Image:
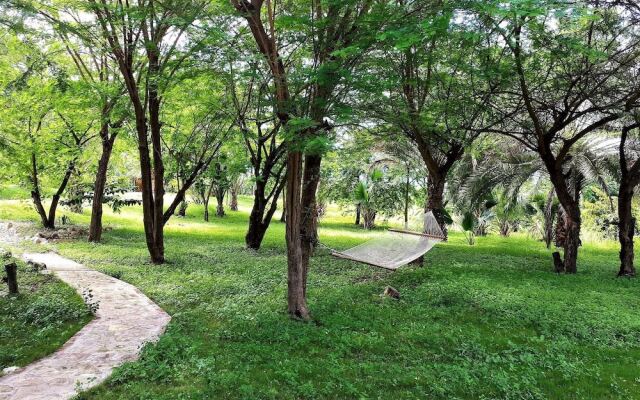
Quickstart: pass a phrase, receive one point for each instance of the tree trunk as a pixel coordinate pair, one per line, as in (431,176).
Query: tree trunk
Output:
(548,219)
(296,270)
(148,203)
(560,234)
(505,227)
(95,227)
(369,218)
(156,221)
(358,210)
(283,216)
(557,262)
(435,201)
(182,210)
(571,248)
(626,230)
(261,217)
(256,231)
(53,207)
(234,199)
(35,193)
(220,199)
(406,202)
(572,242)
(309,231)
(255,235)
(37,202)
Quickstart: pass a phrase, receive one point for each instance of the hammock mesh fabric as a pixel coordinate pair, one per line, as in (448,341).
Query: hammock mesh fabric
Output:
(397,247)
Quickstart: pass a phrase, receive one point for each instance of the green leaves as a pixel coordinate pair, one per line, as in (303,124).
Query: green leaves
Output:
(469,221)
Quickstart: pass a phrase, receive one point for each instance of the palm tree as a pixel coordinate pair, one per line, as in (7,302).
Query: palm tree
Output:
(363,197)
(513,170)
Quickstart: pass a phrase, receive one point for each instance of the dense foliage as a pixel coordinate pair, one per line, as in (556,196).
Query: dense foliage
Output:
(517,117)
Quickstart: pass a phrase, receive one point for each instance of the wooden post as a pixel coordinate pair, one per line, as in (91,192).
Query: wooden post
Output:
(11,279)
(557,262)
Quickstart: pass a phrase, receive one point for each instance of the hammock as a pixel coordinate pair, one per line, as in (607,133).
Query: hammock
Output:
(397,247)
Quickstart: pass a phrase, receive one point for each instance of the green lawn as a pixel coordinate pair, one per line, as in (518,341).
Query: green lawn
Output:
(484,321)
(40,319)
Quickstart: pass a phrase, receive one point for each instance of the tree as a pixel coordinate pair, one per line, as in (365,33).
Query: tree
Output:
(512,168)
(629,180)
(199,122)
(381,191)
(438,73)
(261,131)
(566,84)
(150,43)
(96,70)
(46,127)
(343,168)
(338,38)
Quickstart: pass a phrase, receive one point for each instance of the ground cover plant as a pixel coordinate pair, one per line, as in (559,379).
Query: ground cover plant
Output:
(507,132)
(40,319)
(484,321)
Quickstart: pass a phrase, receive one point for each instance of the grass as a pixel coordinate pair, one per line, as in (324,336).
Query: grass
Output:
(40,319)
(484,321)
(13,192)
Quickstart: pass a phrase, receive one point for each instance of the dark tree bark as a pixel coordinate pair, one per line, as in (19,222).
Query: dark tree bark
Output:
(233,204)
(267,152)
(557,262)
(12,277)
(220,192)
(435,200)
(406,201)
(358,212)
(262,212)
(296,270)
(35,193)
(48,219)
(369,218)
(95,226)
(283,216)
(630,178)
(548,219)
(572,243)
(309,229)
(182,209)
(626,233)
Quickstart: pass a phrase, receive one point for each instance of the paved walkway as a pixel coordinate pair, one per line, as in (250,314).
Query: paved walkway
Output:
(125,320)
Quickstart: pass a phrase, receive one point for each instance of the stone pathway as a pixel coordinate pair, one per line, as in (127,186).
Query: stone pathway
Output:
(124,321)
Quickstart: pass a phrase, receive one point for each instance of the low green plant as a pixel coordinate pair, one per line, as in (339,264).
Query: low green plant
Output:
(490,321)
(40,319)
(469,224)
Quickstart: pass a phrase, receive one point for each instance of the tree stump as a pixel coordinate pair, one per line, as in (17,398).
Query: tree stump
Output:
(391,292)
(12,281)
(557,262)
